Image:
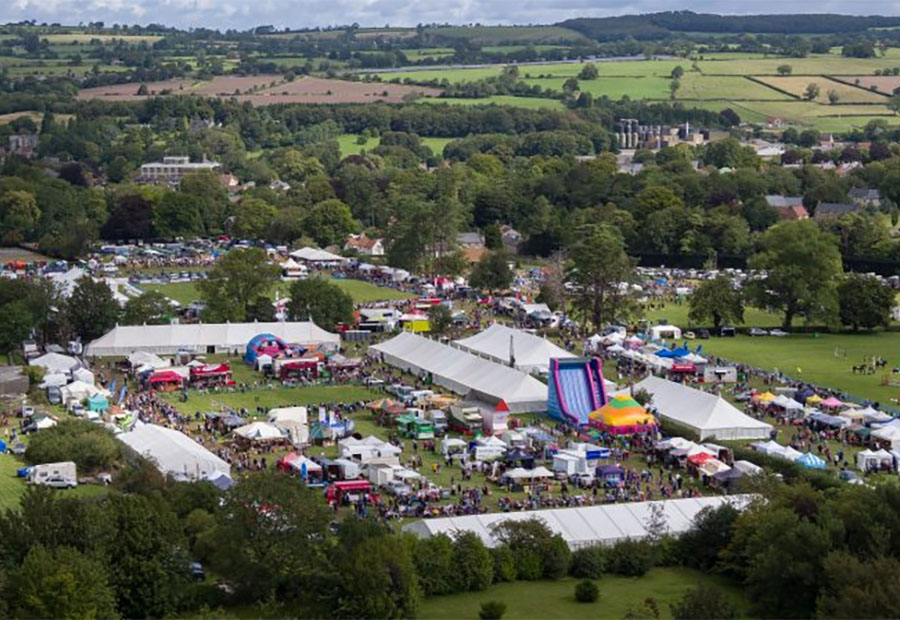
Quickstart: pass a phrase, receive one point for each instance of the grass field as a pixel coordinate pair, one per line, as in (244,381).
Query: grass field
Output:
(82,38)
(533,103)
(797,84)
(12,488)
(813,65)
(277,397)
(677,314)
(348,145)
(361,292)
(555,599)
(697,86)
(612,87)
(494,35)
(810,357)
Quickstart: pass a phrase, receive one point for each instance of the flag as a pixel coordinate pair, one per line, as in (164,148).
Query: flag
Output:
(122,394)
(321,414)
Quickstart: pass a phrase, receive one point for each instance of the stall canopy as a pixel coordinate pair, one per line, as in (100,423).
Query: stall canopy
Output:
(710,415)
(585,526)
(202,337)
(259,431)
(499,343)
(55,363)
(464,373)
(173,453)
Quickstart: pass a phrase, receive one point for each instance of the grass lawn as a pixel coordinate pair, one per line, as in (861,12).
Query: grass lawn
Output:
(276,397)
(532,103)
(361,292)
(614,87)
(556,599)
(796,85)
(12,488)
(697,86)
(348,145)
(811,358)
(677,314)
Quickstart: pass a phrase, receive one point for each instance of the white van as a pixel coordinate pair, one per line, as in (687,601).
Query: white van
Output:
(58,475)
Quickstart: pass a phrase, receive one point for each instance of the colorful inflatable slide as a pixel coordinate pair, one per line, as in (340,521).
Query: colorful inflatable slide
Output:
(576,388)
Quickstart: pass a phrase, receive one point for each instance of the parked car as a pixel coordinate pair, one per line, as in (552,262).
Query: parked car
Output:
(755,331)
(60,482)
(727,332)
(690,335)
(778,333)
(582,480)
(850,477)
(397,488)
(197,572)
(372,381)
(703,334)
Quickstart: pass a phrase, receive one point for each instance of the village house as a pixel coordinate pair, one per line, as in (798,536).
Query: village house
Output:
(865,197)
(827,210)
(364,245)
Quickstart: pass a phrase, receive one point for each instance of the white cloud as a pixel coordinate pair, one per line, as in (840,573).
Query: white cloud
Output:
(243,14)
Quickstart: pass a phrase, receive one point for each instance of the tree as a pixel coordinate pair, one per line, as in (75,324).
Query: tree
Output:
(321,301)
(61,584)
(894,103)
(710,533)
(784,69)
(329,222)
(833,96)
(178,215)
(16,325)
(439,319)
(677,72)
(586,591)
(588,72)
(812,91)
(492,272)
(802,266)
(674,85)
(19,213)
(271,538)
(239,278)
(252,218)
(132,218)
(716,301)
(434,564)
(850,592)
(151,308)
(539,553)
(704,603)
(492,610)
(654,198)
(570,86)
(91,310)
(473,567)
(601,272)
(865,302)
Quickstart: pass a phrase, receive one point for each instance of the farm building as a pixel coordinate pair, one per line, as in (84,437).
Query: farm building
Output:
(584,526)
(709,415)
(173,169)
(202,337)
(464,373)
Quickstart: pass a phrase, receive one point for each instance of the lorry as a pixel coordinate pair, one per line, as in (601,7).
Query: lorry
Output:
(414,427)
(58,475)
(466,420)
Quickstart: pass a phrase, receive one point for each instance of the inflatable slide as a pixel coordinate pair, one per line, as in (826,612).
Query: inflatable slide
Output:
(576,388)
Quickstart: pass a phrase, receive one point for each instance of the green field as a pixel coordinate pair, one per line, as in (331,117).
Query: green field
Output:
(533,103)
(677,314)
(495,35)
(697,86)
(612,87)
(348,145)
(12,487)
(811,357)
(555,599)
(361,292)
(276,397)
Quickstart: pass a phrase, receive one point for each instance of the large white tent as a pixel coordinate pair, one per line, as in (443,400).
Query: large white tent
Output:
(710,415)
(173,452)
(584,526)
(464,373)
(202,337)
(498,343)
(315,255)
(54,363)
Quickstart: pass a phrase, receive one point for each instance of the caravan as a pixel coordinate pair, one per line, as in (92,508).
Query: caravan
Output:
(58,475)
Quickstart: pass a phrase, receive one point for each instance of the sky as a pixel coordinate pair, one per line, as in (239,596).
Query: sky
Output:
(244,14)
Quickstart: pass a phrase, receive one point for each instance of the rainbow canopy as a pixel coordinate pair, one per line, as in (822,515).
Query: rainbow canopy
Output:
(621,412)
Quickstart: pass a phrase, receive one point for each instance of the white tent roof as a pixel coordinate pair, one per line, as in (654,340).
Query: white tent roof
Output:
(710,415)
(173,452)
(84,375)
(315,255)
(259,431)
(288,416)
(55,362)
(584,526)
(79,390)
(145,358)
(532,353)
(169,339)
(55,379)
(463,372)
